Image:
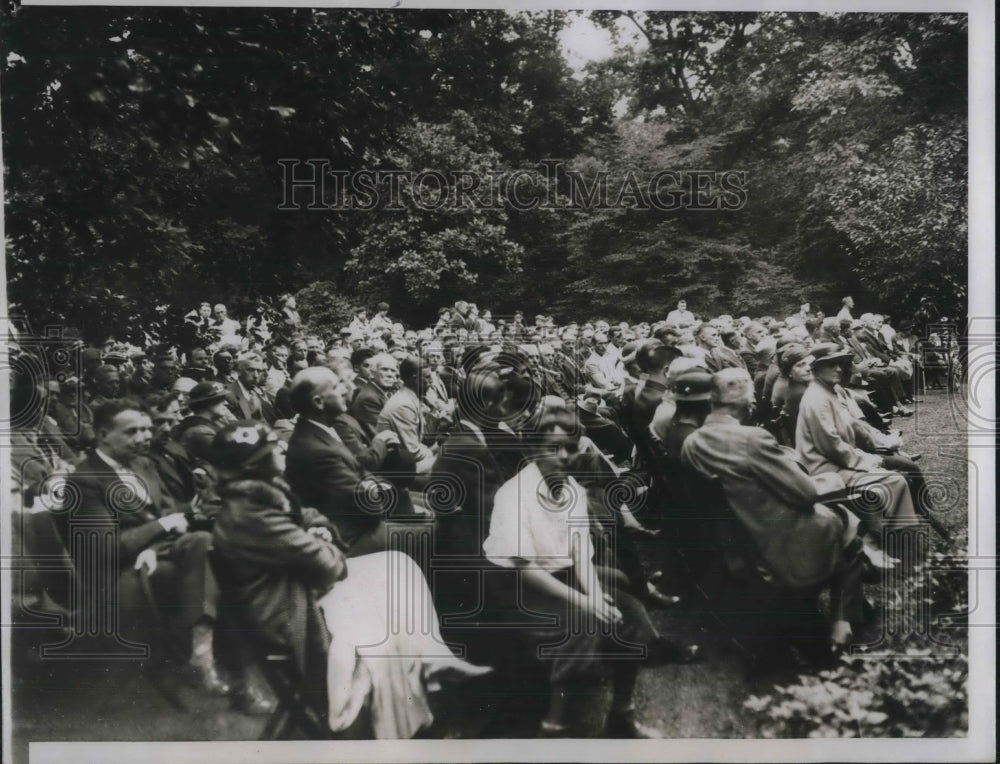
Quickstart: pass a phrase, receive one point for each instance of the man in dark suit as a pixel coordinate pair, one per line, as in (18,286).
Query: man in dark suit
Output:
(172,461)
(247,392)
(639,402)
(325,474)
(374,392)
(717,355)
(371,453)
(116,482)
(873,369)
(479,456)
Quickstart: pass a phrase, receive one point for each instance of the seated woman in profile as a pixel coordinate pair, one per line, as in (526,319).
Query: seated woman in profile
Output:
(281,559)
(795,374)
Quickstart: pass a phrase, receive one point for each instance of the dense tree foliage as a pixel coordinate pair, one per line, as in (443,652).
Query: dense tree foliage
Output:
(142,152)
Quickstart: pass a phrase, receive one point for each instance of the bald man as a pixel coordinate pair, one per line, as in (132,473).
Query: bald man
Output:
(325,474)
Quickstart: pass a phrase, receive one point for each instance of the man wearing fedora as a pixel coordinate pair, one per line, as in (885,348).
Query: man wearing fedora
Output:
(210,412)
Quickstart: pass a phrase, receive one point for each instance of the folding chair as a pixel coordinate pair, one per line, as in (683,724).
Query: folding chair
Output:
(298,705)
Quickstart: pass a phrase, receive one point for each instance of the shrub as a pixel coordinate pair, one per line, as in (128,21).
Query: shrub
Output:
(915,695)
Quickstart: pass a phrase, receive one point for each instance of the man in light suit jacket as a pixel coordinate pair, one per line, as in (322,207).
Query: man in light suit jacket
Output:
(402,415)
(796,542)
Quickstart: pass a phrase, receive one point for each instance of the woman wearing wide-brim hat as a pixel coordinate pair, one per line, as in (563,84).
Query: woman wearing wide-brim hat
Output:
(826,437)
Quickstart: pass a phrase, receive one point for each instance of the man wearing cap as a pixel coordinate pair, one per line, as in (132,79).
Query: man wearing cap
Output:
(691,392)
(800,543)
(210,412)
(826,438)
(607,436)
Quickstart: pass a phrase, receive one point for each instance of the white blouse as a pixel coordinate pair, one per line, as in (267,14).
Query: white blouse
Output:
(532,528)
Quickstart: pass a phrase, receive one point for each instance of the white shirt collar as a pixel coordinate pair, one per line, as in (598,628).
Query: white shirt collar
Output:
(115,465)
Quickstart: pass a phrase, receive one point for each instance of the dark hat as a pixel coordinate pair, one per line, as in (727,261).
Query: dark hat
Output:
(790,355)
(646,353)
(241,444)
(382,306)
(828,352)
(206,393)
(693,385)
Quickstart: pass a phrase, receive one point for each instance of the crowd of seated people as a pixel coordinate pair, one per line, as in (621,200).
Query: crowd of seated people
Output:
(539,459)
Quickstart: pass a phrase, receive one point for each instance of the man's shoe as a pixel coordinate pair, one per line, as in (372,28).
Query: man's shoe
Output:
(207,678)
(654,598)
(249,701)
(624,725)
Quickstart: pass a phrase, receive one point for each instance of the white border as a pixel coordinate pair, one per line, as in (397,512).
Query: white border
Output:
(981,743)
